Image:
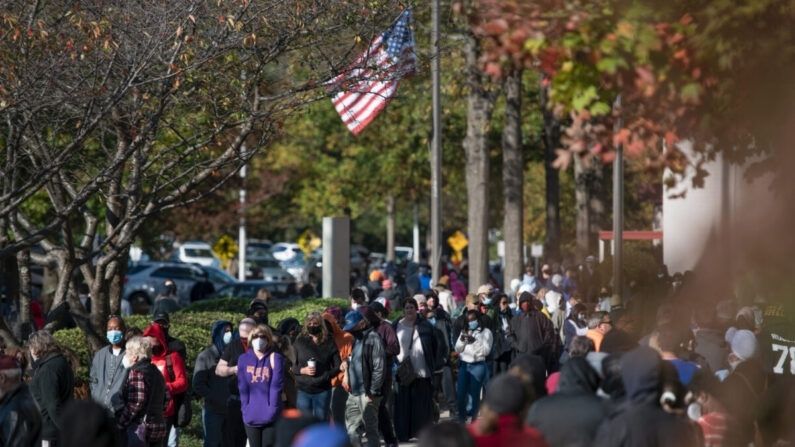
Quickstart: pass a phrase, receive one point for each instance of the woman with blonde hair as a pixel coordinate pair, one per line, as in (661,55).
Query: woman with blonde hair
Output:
(142,418)
(260,379)
(317,361)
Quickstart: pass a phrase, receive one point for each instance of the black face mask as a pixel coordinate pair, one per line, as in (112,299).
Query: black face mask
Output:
(314,330)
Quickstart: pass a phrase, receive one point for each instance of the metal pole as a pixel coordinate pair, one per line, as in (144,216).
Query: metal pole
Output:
(618,212)
(436,149)
(241,231)
(416,234)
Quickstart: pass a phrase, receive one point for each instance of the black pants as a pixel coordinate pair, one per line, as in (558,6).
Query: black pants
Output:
(235,430)
(413,408)
(502,363)
(264,436)
(384,414)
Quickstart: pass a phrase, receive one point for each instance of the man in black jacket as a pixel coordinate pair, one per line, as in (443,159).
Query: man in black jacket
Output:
(366,374)
(641,421)
(212,388)
(533,333)
(20,422)
(53,382)
(572,415)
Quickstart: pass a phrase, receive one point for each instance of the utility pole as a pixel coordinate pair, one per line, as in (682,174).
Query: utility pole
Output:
(436,149)
(241,231)
(618,212)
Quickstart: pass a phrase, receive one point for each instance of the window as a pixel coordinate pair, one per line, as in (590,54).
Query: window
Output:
(198,253)
(174,273)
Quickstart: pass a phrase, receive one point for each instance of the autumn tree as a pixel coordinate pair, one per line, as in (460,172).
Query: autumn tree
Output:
(112,115)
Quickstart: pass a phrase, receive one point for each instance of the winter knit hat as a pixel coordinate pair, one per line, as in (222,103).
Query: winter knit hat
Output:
(744,344)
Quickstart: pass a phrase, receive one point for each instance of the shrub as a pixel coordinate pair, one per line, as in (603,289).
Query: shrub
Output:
(192,326)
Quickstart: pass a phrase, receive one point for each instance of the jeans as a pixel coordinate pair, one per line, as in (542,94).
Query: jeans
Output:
(316,404)
(358,410)
(213,428)
(471,378)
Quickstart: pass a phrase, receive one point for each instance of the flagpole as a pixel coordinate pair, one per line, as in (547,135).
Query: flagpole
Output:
(436,150)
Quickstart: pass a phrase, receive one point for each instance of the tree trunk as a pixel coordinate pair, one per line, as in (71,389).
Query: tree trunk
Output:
(582,203)
(551,143)
(513,178)
(480,104)
(24,326)
(390,228)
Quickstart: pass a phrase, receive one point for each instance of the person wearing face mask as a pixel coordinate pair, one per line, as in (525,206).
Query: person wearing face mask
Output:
(20,421)
(141,419)
(52,384)
(213,389)
(532,333)
(420,351)
(260,379)
(172,367)
(472,346)
(366,376)
(575,325)
(503,317)
(107,373)
(258,311)
(227,367)
(317,360)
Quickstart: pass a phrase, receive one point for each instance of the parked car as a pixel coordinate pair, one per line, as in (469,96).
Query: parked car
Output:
(404,254)
(196,253)
(267,269)
(295,266)
(218,277)
(144,282)
(259,246)
(248,289)
(285,251)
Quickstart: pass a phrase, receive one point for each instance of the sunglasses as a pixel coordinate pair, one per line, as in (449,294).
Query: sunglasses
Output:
(262,336)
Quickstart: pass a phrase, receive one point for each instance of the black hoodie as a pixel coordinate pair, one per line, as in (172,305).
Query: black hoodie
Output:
(571,416)
(641,421)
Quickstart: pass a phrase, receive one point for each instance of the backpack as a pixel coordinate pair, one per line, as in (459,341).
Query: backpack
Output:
(181,401)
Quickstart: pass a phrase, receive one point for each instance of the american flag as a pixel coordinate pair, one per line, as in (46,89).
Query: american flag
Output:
(363,90)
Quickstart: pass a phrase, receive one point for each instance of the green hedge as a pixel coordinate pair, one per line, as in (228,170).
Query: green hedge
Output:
(192,326)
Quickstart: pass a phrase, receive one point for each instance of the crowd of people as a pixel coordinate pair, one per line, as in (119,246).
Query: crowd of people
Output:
(549,361)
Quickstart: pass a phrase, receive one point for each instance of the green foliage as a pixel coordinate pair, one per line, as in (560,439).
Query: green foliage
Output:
(192,326)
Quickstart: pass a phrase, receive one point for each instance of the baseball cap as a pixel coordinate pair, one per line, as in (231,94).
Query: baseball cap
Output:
(352,318)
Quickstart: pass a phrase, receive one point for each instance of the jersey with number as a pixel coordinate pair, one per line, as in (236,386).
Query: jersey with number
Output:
(778,344)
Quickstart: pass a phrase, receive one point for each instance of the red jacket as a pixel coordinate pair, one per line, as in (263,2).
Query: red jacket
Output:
(510,432)
(176,383)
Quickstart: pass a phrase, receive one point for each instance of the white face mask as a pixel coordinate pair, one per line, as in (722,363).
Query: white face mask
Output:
(126,362)
(259,345)
(227,337)
(694,411)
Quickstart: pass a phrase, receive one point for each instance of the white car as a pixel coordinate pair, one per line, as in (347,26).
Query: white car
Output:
(285,251)
(196,253)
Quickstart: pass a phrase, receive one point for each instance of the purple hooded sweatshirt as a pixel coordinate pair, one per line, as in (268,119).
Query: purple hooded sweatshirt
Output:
(260,383)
